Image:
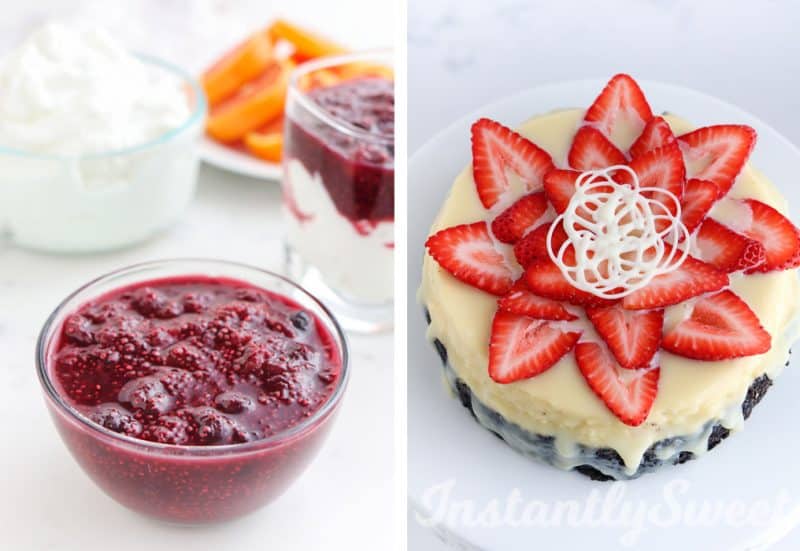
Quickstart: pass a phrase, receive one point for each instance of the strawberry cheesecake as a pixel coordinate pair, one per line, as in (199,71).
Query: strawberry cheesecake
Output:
(612,291)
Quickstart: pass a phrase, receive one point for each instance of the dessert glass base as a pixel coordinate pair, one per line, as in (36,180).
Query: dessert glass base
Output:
(353,314)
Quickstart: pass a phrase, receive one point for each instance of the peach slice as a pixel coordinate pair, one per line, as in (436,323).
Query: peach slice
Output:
(245,62)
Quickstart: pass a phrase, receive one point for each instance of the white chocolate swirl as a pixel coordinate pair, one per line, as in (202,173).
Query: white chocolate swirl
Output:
(621,235)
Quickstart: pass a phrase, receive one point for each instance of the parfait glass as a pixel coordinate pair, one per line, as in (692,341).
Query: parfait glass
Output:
(338,186)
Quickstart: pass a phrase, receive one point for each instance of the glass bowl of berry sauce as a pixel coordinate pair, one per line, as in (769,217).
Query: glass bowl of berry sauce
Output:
(338,185)
(192,391)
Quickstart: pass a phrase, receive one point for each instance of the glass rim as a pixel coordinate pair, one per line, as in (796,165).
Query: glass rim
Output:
(383,54)
(45,338)
(198,112)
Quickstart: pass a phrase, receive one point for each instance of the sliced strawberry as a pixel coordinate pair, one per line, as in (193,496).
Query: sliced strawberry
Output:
(698,198)
(524,303)
(775,232)
(469,254)
(516,220)
(545,279)
(530,247)
(720,327)
(632,336)
(521,347)
(660,168)
(692,278)
(534,244)
(656,133)
(620,102)
(727,250)
(591,150)
(628,394)
(794,262)
(495,148)
(718,153)
(559,187)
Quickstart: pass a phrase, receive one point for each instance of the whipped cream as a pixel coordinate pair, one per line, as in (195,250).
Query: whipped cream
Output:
(70,90)
(621,235)
(320,234)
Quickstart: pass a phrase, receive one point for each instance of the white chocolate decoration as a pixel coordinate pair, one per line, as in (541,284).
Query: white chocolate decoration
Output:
(621,234)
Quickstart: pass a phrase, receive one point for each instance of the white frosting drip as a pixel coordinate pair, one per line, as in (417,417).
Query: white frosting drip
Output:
(622,237)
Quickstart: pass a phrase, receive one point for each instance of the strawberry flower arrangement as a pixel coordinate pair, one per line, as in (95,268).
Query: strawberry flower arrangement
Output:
(540,310)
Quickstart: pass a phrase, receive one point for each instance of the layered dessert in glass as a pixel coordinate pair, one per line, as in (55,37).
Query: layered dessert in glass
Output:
(339,185)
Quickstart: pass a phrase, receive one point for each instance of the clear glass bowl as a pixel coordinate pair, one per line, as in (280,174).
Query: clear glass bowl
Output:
(178,483)
(338,185)
(103,201)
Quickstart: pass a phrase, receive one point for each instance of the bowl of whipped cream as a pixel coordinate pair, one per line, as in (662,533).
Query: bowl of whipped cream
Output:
(98,145)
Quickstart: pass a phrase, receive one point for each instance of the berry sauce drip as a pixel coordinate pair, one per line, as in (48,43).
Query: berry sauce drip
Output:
(358,174)
(366,103)
(195,361)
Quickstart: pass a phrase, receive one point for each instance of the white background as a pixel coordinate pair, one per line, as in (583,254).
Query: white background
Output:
(464,54)
(193,32)
(344,500)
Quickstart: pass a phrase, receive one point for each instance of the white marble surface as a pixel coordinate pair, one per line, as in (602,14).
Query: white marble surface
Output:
(344,500)
(464,54)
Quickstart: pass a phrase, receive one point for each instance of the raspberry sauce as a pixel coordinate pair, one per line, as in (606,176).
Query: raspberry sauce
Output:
(193,361)
(358,174)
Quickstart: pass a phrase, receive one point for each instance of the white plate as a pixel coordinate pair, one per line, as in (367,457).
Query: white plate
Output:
(446,446)
(236,161)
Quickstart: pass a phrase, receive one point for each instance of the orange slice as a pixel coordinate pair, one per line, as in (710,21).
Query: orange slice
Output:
(255,104)
(306,44)
(245,62)
(275,125)
(265,146)
(365,69)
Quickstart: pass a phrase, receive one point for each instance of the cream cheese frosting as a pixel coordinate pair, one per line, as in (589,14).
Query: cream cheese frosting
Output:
(558,402)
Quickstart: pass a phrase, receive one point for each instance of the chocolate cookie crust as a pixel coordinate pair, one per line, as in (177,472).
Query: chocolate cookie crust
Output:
(612,467)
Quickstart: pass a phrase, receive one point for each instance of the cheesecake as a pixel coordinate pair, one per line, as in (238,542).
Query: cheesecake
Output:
(612,291)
